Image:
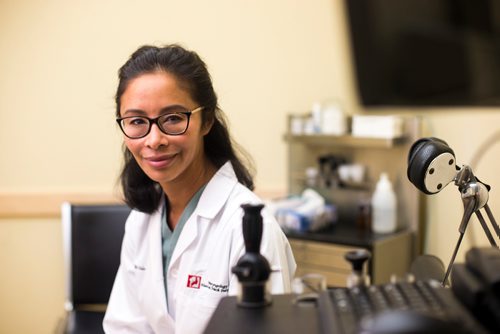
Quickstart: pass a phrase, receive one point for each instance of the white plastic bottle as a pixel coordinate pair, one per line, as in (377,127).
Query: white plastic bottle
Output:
(384,206)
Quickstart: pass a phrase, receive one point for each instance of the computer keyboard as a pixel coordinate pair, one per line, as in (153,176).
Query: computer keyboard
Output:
(347,311)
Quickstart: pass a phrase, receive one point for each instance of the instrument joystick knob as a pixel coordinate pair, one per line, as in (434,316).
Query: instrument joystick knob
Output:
(357,258)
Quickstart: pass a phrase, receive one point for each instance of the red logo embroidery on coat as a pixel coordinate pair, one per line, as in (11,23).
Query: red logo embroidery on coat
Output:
(194,281)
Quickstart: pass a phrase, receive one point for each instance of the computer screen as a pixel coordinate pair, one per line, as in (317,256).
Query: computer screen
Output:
(426,52)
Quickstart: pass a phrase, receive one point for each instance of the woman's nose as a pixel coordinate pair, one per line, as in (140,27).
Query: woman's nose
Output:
(156,138)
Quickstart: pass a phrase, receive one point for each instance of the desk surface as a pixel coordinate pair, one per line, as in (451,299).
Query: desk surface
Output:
(345,235)
(282,316)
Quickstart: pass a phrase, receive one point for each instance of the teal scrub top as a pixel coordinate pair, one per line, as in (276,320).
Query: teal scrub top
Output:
(169,237)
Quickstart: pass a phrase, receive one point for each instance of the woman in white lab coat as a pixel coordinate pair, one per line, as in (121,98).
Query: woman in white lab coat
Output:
(186,184)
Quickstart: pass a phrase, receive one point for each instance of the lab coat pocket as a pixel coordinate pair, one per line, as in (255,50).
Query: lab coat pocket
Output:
(135,274)
(194,309)
(138,275)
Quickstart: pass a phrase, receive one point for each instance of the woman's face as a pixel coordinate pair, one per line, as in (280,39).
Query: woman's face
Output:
(164,158)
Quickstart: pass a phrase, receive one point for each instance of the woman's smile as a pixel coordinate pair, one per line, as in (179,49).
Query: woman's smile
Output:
(160,161)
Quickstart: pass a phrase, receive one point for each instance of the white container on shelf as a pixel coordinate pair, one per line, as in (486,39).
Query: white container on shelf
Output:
(384,206)
(334,120)
(317,117)
(387,127)
(297,125)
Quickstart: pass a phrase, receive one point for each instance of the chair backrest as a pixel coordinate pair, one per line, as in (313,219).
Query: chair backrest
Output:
(92,236)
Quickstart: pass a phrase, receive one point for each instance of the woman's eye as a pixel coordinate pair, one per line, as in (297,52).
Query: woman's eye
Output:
(136,121)
(172,118)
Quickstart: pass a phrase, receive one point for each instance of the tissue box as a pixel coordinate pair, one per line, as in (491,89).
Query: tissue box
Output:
(377,126)
(291,220)
(307,212)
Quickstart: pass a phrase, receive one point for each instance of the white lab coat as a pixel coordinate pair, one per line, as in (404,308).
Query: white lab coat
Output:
(199,274)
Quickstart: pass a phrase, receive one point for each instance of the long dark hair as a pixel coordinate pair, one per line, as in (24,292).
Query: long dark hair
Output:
(140,191)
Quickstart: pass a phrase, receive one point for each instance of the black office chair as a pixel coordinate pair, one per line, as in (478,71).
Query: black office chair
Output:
(92,236)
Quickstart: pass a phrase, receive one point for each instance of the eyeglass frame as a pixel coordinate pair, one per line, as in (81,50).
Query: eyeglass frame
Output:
(152,121)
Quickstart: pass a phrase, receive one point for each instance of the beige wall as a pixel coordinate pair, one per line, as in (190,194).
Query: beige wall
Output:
(31,281)
(267,58)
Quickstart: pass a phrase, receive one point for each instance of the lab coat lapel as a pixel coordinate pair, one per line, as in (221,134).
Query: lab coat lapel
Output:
(211,202)
(188,235)
(152,297)
(155,251)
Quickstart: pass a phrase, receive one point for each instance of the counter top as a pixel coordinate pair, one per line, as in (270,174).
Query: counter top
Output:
(282,316)
(344,235)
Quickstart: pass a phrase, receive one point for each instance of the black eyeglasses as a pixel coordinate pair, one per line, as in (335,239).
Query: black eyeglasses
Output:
(174,122)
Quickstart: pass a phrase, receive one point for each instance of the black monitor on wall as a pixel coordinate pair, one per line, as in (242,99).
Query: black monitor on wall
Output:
(426,52)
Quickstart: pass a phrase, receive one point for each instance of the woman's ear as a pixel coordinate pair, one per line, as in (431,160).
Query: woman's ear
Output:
(207,126)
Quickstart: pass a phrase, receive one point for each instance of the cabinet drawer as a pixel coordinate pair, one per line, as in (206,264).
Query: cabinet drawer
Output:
(333,278)
(321,254)
(298,249)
